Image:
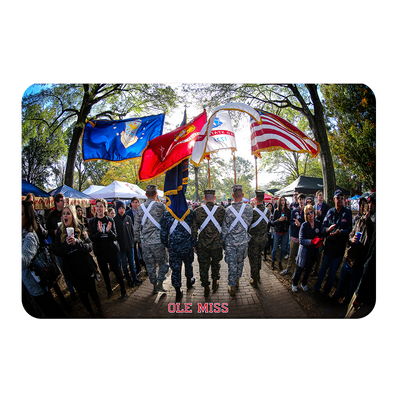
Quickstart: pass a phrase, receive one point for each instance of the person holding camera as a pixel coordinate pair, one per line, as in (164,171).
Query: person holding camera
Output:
(336,228)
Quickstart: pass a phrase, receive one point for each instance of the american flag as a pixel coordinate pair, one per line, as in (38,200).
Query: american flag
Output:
(275,134)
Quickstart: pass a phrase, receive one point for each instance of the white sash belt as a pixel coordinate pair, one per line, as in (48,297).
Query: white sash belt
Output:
(175,224)
(238,217)
(210,217)
(147,215)
(263,216)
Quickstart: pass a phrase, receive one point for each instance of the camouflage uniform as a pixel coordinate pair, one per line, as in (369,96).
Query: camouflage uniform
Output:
(149,236)
(236,240)
(208,243)
(180,245)
(258,238)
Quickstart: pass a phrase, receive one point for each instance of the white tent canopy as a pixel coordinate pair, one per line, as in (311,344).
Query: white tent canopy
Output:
(93,188)
(121,190)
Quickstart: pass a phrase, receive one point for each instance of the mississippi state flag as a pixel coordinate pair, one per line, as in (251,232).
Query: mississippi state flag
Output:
(275,134)
(221,135)
(166,151)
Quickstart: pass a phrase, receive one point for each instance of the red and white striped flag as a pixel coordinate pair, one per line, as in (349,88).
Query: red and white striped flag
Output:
(277,134)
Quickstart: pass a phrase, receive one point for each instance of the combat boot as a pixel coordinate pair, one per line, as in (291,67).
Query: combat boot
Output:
(190,282)
(158,287)
(206,291)
(215,284)
(179,294)
(232,290)
(253,282)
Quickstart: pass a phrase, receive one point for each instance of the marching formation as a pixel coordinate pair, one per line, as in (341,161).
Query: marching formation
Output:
(208,231)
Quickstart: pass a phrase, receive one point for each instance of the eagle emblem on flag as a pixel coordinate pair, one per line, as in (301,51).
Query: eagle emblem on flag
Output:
(128,136)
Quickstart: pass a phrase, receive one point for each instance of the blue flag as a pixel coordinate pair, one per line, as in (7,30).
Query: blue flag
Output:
(120,140)
(175,185)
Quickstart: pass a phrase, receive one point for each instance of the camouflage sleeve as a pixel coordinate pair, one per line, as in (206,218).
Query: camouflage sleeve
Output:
(137,225)
(226,223)
(165,227)
(196,224)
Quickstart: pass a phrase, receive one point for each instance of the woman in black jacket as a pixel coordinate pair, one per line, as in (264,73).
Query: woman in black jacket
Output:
(103,234)
(280,221)
(74,246)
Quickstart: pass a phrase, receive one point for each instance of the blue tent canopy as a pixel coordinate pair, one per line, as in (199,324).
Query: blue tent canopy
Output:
(69,192)
(29,188)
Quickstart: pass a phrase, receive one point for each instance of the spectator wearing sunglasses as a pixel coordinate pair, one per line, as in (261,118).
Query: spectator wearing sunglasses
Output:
(310,241)
(336,228)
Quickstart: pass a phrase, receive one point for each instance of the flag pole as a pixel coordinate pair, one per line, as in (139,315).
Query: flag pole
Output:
(255,161)
(209,174)
(234,165)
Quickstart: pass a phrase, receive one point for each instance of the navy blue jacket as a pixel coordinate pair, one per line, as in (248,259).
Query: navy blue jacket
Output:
(335,246)
(307,252)
(296,214)
(324,210)
(180,240)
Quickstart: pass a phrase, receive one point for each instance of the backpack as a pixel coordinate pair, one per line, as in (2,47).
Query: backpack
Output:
(45,268)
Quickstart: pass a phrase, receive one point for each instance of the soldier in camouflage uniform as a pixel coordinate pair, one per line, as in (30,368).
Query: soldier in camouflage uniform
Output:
(235,237)
(208,243)
(176,236)
(147,234)
(258,231)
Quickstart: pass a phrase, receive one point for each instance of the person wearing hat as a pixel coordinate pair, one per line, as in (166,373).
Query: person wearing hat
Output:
(176,236)
(336,228)
(207,220)
(258,231)
(147,234)
(124,227)
(235,237)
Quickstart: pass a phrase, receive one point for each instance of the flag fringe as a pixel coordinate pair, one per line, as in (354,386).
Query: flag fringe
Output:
(187,212)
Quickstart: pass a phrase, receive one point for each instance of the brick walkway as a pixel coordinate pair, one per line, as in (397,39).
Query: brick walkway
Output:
(270,300)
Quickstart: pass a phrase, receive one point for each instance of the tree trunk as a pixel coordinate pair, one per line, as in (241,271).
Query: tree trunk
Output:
(319,130)
(72,152)
(76,136)
(317,125)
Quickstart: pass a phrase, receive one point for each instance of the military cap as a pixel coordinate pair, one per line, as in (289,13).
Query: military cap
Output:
(151,187)
(209,191)
(237,187)
(259,192)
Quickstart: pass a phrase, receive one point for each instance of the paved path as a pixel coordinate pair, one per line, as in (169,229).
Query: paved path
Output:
(270,300)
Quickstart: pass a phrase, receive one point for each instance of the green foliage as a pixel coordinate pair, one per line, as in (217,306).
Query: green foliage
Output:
(61,111)
(351,114)
(222,177)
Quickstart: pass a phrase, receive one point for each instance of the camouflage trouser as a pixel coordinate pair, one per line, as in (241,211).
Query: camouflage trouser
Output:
(256,246)
(234,257)
(175,262)
(206,258)
(153,255)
